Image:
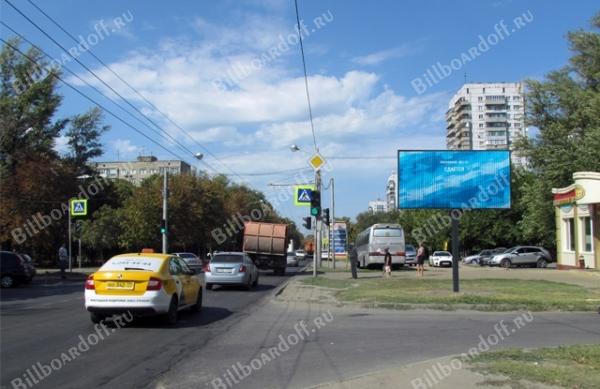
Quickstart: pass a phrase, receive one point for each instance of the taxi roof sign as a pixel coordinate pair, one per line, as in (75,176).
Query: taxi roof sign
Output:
(303,195)
(316,161)
(78,207)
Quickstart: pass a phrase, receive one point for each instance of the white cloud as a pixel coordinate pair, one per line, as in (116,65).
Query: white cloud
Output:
(124,147)
(265,112)
(61,144)
(378,57)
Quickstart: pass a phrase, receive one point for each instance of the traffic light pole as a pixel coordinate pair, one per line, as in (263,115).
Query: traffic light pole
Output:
(317,227)
(164,233)
(332,224)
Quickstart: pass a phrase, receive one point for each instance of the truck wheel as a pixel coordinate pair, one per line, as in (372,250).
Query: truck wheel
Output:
(280,271)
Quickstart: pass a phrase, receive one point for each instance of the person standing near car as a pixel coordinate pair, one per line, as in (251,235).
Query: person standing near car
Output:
(421,254)
(387,263)
(63,259)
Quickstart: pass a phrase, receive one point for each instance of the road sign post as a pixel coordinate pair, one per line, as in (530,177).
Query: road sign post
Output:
(77,208)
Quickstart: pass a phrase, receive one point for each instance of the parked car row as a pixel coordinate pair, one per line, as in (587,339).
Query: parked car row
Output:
(15,268)
(532,256)
(483,256)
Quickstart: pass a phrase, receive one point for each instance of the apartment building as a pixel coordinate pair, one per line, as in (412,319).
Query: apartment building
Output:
(377,206)
(486,116)
(391,191)
(143,167)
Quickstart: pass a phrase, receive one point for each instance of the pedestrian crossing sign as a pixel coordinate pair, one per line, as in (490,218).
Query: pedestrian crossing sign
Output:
(78,207)
(303,195)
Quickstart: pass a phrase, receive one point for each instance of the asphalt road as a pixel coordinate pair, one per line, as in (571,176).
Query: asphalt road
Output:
(344,342)
(40,322)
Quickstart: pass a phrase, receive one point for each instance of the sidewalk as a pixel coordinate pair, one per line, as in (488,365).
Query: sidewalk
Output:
(585,278)
(46,275)
(436,373)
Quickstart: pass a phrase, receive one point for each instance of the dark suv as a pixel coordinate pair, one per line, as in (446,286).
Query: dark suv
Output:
(14,269)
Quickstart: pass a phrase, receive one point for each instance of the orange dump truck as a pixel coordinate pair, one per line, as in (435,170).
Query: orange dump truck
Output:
(266,244)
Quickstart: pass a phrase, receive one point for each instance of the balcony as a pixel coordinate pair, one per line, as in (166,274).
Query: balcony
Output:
(496,107)
(496,124)
(495,99)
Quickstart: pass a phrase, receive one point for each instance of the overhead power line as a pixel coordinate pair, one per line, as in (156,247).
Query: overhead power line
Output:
(310,115)
(82,80)
(32,60)
(133,88)
(165,132)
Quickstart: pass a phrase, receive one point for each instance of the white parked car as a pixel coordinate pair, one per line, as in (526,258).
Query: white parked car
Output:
(440,258)
(292,261)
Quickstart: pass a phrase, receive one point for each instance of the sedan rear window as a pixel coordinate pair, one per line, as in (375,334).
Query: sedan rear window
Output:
(227,258)
(186,255)
(137,263)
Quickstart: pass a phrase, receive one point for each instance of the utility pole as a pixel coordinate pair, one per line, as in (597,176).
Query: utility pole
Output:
(317,227)
(165,227)
(69,219)
(332,222)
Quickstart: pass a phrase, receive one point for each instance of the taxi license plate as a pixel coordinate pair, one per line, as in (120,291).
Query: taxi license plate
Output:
(119,285)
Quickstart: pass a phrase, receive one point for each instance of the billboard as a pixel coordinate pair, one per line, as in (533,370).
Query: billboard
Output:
(340,238)
(468,179)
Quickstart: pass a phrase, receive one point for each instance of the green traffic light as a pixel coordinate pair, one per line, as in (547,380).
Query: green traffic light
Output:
(314,211)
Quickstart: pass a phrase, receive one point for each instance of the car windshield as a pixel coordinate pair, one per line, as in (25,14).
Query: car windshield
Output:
(442,254)
(510,250)
(227,258)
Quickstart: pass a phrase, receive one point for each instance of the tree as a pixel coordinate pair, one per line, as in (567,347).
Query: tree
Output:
(566,109)
(100,232)
(83,137)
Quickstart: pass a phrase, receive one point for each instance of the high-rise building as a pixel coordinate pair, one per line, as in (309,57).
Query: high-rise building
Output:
(391,191)
(377,206)
(143,167)
(486,116)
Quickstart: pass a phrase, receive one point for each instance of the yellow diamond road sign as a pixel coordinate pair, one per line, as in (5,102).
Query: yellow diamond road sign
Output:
(316,161)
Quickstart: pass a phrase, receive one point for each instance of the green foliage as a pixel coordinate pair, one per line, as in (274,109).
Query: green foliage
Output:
(83,138)
(566,109)
(100,232)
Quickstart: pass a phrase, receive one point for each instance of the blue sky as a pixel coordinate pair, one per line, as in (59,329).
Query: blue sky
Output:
(186,58)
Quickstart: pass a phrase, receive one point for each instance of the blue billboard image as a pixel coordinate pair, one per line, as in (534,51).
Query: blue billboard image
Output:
(454,179)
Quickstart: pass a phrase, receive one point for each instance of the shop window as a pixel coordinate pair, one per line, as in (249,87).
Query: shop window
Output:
(586,225)
(570,231)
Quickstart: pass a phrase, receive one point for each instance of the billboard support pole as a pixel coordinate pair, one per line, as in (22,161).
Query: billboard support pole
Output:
(455,251)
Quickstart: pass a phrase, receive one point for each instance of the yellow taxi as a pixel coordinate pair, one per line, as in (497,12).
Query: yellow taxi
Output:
(143,284)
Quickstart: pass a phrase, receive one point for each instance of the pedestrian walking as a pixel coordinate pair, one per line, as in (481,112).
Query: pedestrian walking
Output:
(421,254)
(63,259)
(387,263)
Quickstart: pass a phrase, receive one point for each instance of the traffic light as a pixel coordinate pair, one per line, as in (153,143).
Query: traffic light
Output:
(307,222)
(326,216)
(163,226)
(315,204)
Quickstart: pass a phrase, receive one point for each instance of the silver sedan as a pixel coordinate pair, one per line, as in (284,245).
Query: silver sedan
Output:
(231,268)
